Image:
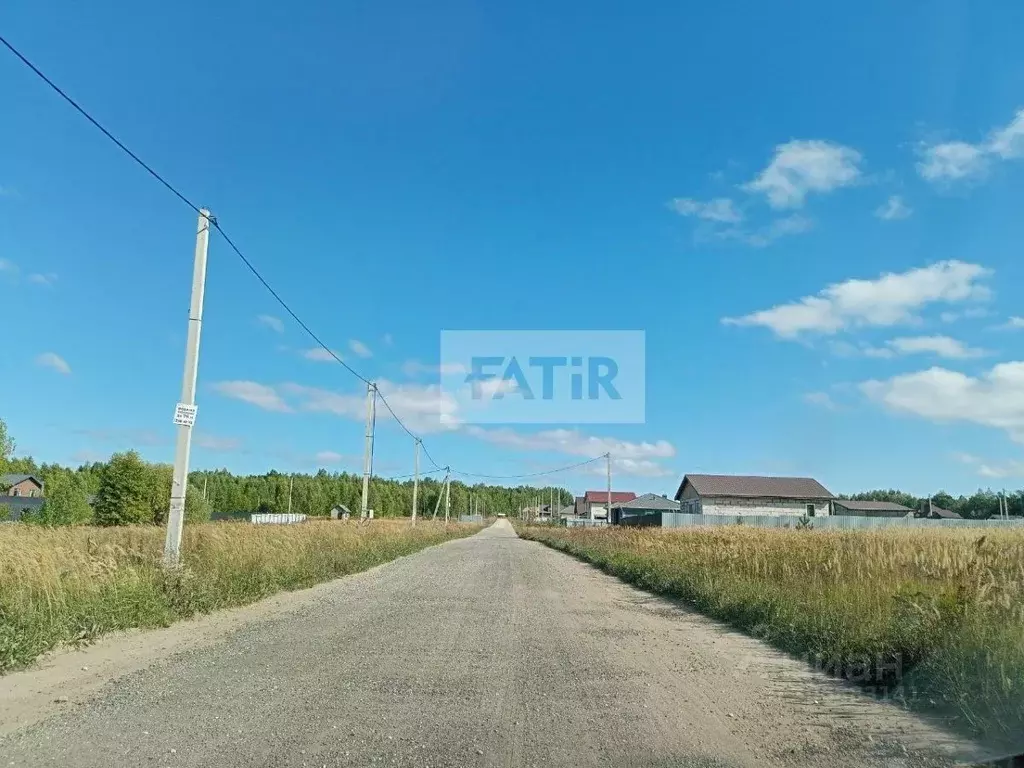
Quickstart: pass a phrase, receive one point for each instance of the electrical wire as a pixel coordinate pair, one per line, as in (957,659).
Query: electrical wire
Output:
(256,273)
(531,474)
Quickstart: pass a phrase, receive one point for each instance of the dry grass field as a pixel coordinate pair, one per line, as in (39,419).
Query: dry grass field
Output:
(932,617)
(71,584)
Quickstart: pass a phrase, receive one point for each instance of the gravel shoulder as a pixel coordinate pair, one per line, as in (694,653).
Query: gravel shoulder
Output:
(489,651)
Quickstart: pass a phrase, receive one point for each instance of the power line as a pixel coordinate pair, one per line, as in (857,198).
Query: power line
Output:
(92,120)
(256,273)
(531,474)
(412,474)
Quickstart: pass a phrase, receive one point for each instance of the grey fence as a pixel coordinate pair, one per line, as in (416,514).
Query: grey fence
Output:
(585,522)
(831,522)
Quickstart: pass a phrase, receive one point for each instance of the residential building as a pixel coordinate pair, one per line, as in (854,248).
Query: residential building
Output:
(20,494)
(936,512)
(742,495)
(595,503)
(870,508)
(645,504)
(21,485)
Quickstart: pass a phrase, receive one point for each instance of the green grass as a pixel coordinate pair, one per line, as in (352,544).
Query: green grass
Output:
(72,584)
(934,618)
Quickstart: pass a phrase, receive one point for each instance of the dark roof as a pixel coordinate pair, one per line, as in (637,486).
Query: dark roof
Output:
(872,506)
(601,497)
(755,487)
(649,501)
(8,480)
(948,514)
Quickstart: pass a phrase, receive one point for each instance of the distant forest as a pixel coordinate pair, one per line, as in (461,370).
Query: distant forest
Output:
(126,489)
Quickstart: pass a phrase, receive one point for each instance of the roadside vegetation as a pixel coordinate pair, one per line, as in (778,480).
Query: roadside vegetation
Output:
(934,619)
(71,584)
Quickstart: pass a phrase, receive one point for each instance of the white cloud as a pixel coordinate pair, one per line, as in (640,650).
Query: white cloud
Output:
(319,355)
(215,443)
(943,346)
(47,279)
(631,467)
(893,209)
(1013,324)
(573,442)
(628,458)
(788,225)
(8,266)
(957,160)
(994,399)
(260,395)
(967,314)
(1012,468)
(53,361)
(271,322)
(413,368)
(802,167)
(721,209)
(359,349)
(951,161)
(820,400)
(891,299)
(422,408)
(330,457)
(1008,142)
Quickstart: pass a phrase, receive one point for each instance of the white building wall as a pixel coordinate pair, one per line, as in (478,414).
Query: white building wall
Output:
(736,507)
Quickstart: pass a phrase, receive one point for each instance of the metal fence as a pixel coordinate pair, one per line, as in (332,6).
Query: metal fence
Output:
(277,518)
(586,522)
(832,522)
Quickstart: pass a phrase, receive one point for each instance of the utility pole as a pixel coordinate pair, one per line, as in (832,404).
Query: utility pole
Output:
(447,494)
(291,479)
(416,482)
(437,506)
(551,504)
(608,456)
(371,398)
(205,479)
(185,412)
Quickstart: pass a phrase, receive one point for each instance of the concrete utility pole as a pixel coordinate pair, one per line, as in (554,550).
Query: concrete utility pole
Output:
(185,412)
(440,495)
(371,402)
(290,480)
(416,482)
(447,494)
(608,456)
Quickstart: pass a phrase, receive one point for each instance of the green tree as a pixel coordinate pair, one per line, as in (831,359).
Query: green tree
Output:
(66,502)
(6,446)
(197,509)
(124,492)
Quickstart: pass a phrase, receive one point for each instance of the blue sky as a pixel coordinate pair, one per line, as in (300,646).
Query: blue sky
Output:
(814,215)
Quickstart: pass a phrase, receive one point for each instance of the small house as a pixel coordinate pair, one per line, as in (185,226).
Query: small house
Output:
(870,508)
(645,504)
(743,495)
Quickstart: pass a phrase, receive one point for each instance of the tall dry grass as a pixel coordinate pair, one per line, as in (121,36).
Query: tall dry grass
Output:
(71,584)
(934,617)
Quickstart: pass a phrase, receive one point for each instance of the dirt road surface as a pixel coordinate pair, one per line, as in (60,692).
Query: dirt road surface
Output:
(486,651)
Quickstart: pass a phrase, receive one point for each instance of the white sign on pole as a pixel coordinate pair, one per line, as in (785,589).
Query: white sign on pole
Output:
(185,414)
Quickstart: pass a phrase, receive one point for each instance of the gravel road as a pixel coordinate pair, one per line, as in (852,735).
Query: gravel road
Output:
(486,651)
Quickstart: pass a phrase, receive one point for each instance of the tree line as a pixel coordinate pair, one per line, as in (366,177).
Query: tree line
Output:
(980,505)
(127,490)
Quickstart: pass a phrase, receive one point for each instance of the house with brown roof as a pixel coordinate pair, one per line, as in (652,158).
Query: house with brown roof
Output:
(744,495)
(870,508)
